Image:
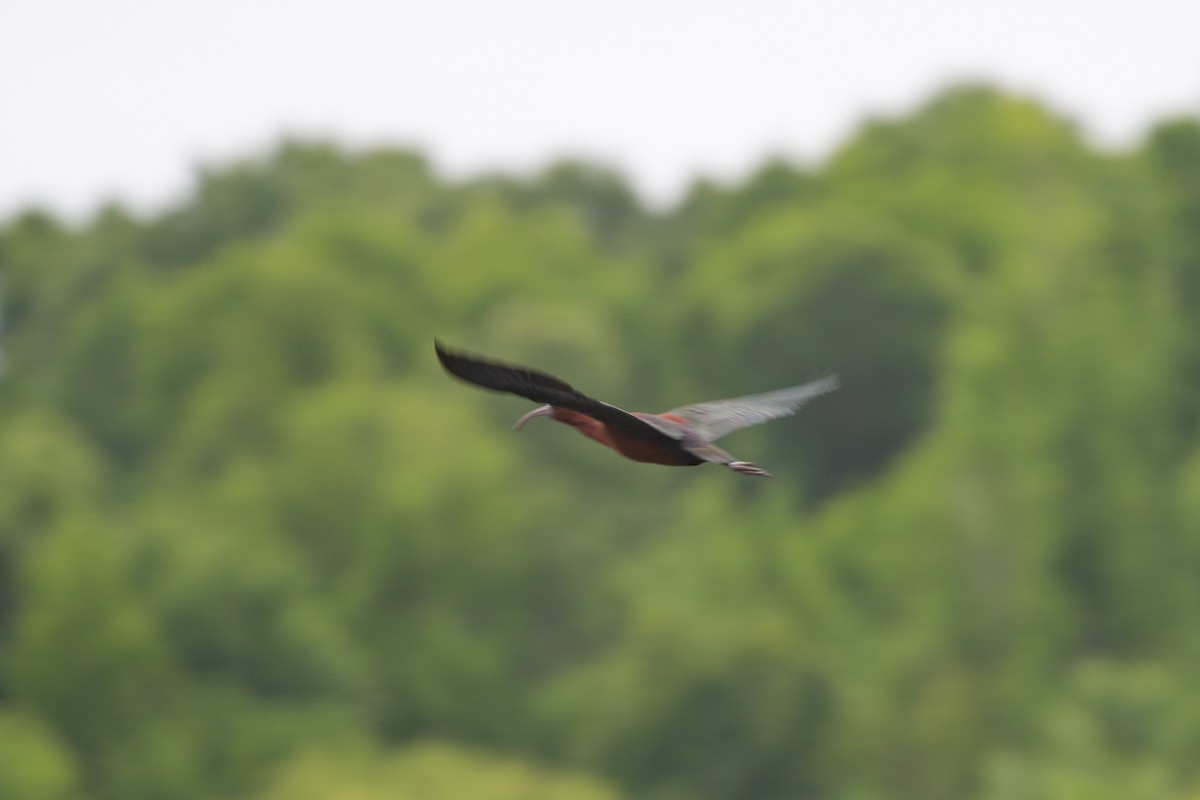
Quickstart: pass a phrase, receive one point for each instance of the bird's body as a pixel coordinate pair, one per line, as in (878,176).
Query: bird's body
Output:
(680,437)
(650,452)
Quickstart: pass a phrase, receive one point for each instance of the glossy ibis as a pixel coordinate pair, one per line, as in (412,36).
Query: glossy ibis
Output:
(680,437)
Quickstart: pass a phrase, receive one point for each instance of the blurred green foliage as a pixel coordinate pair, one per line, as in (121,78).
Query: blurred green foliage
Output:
(253,544)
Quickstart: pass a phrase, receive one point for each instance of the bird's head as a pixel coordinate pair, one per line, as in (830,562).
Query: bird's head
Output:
(540,411)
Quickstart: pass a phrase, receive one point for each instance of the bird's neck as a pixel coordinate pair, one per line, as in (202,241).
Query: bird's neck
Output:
(591,428)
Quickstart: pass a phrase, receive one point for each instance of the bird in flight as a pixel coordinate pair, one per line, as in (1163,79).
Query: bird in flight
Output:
(680,437)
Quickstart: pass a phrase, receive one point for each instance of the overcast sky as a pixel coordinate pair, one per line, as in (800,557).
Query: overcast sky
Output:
(123,98)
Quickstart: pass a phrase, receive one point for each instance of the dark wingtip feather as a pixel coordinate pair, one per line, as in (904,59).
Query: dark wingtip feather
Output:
(448,360)
(502,377)
(443,355)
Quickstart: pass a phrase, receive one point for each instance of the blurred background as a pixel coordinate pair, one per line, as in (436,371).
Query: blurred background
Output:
(254,544)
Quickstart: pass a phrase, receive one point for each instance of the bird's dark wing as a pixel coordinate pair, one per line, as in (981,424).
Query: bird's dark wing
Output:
(713,420)
(542,388)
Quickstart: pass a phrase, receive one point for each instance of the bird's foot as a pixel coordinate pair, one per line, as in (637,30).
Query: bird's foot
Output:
(747,468)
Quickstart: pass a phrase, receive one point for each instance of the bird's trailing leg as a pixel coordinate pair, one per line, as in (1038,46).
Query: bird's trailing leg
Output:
(747,468)
(711,453)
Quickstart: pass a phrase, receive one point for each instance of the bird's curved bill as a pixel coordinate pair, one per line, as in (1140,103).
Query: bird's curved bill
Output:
(540,411)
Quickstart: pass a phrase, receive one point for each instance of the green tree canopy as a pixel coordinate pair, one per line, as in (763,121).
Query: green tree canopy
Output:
(254,544)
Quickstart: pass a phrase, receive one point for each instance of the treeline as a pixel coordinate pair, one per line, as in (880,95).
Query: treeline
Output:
(254,544)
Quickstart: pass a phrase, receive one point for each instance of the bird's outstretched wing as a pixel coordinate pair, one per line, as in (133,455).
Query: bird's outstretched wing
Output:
(543,388)
(714,419)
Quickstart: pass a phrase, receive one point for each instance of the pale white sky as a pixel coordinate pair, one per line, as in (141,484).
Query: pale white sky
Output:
(123,98)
